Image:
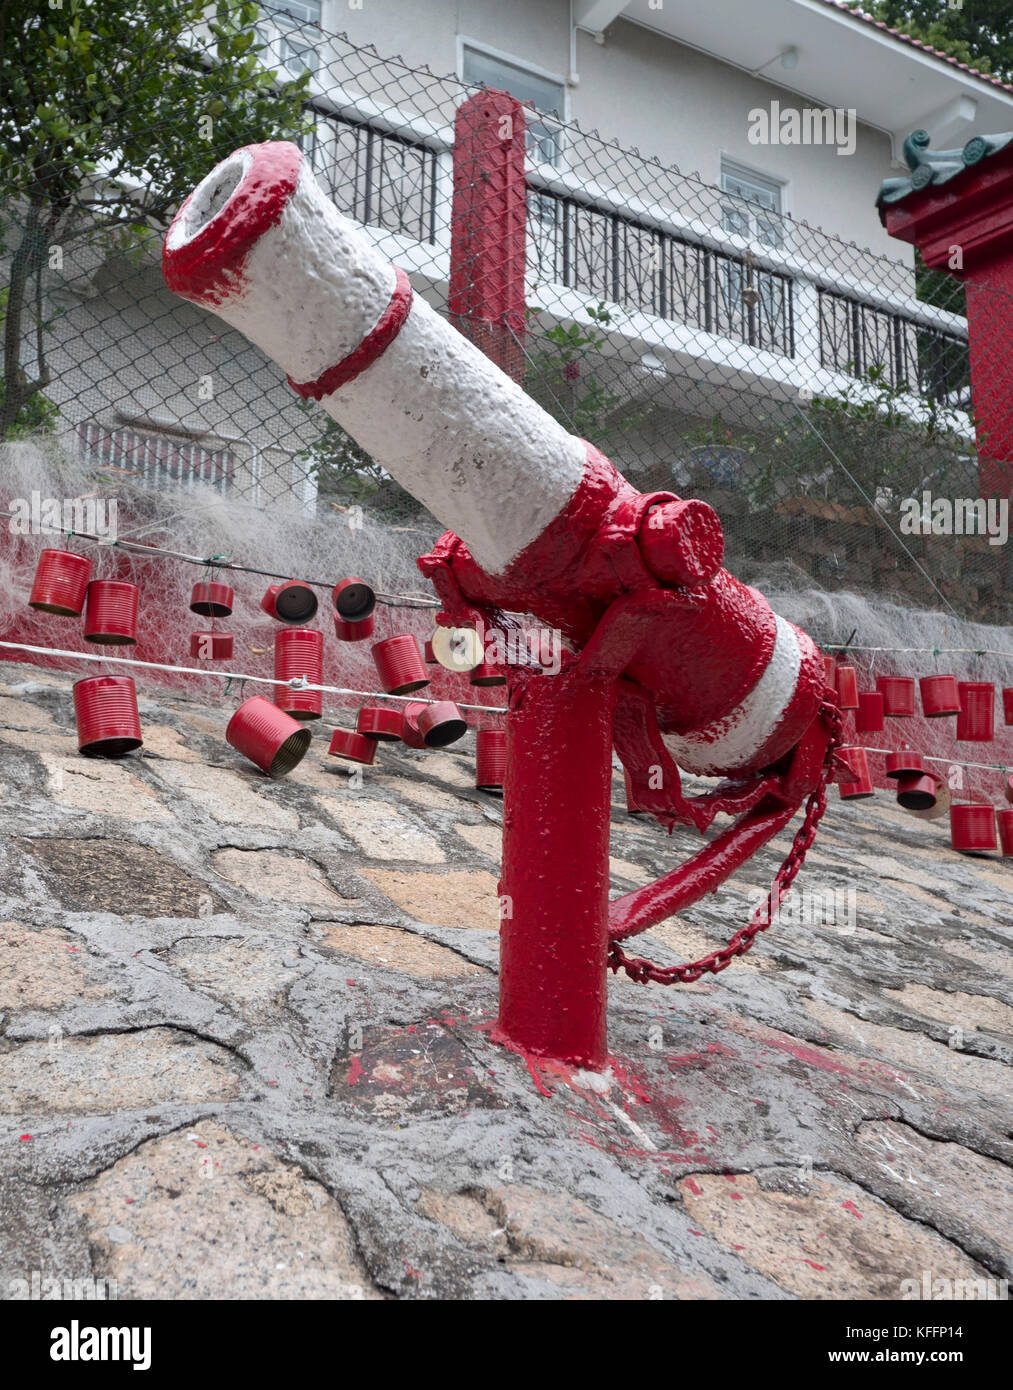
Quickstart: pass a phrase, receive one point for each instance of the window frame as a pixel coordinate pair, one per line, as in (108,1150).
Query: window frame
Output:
(277,11)
(734,168)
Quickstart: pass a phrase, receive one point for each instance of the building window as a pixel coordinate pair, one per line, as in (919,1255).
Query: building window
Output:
(753,300)
(302,11)
(546,94)
(752,207)
(297,57)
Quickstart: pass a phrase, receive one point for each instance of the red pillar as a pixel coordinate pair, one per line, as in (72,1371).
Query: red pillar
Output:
(488,228)
(965,226)
(554,890)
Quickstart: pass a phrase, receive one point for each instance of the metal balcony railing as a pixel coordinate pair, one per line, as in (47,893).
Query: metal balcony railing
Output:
(390,181)
(378,178)
(931,362)
(639,267)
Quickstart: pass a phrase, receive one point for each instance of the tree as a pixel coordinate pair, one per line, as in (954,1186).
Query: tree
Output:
(111,111)
(976,32)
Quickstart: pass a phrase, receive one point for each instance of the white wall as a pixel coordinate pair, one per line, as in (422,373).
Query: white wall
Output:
(647,92)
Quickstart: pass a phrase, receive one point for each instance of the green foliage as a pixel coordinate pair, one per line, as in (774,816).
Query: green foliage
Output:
(347,475)
(123,89)
(976,32)
(852,447)
(112,110)
(37,412)
(561,376)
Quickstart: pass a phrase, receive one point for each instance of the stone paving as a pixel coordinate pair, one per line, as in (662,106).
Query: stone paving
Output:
(244,1046)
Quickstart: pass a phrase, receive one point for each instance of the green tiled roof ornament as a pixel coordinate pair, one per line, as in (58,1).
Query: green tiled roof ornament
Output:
(930,168)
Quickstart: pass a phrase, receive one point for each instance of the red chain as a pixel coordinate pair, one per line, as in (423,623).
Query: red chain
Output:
(642,971)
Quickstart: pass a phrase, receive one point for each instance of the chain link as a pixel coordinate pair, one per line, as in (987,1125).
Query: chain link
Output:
(643,971)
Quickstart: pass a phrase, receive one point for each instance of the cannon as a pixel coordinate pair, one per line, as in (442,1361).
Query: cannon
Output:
(668,658)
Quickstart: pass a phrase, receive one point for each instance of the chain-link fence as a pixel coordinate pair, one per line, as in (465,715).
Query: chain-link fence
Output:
(813,392)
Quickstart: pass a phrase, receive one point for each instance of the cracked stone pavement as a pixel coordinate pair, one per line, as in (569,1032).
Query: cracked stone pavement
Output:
(244,1045)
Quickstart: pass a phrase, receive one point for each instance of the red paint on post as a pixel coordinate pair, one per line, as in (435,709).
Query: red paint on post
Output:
(488,228)
(557,801)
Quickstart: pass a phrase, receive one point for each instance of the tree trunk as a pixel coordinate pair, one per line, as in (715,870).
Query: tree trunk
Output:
(27,260)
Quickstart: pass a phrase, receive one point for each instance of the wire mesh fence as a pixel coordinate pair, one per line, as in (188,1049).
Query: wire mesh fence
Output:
(816,394)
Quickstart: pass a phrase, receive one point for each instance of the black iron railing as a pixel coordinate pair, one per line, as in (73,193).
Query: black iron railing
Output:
(380,179)
(616,258)
(856,338)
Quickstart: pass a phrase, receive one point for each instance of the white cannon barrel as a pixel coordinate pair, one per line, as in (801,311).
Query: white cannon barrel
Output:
(260,244)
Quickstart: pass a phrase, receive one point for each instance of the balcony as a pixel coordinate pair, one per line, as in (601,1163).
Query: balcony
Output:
(798,311)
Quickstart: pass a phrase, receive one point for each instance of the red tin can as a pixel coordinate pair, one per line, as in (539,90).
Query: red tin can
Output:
(917,791)
(60,584)
(111,613)
(410,733)
(441,723)
(211,646)
(939,696)
(830,671)
(490,759)
(485,673)
(858,784)
(427,652)
(356,747)
(846,684)
(904,763)
(1007,704)
(869,715)
(267,736)
(212,600)
(353,600)
(1005,822)
(299,651)
(376,722)
(400,665)
(292,602)
(972,828)
(975,722)
(105,708)
(352,632)
(898,694)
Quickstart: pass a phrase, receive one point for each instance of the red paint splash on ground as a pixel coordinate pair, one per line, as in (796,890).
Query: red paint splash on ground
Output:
(813,1265)
(803,1052)
(532,1066)
(850,1206)
(355,1072)
(692,1059)
(696,1191)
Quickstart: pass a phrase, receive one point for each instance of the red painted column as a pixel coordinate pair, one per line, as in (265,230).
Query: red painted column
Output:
(965,227)
(554,889)
(488,228)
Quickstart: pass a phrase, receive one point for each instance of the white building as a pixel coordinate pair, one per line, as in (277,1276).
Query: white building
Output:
(756,118)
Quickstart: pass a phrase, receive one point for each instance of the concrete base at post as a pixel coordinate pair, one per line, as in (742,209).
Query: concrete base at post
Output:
(554,889)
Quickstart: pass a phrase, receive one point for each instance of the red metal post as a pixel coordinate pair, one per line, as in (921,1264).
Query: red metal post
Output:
(488,228)
(554,888)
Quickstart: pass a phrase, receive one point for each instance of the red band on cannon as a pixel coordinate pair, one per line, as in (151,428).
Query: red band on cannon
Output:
(374,345)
